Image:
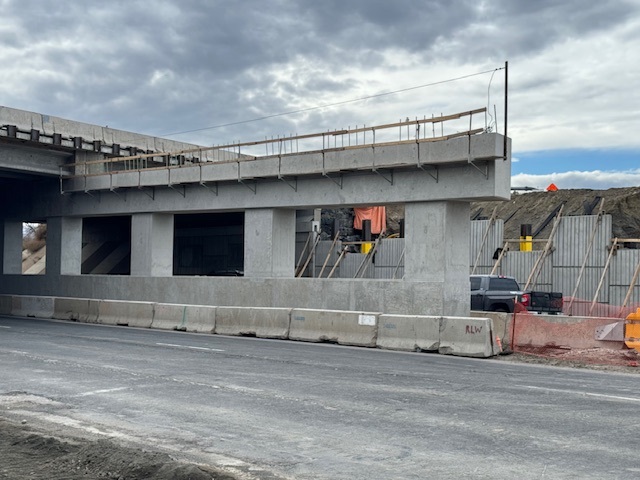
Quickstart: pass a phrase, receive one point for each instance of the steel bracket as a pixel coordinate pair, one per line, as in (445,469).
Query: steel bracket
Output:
(146,191)
(429,170)
(432,168)
(213,190)
(115,190)
(337,182)
(484,172)
(293,185)
(178,189)
(388,176)
(253,186)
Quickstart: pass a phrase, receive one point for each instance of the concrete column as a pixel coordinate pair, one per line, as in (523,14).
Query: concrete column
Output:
(437,250)
(307,221)
(12,247)
(269,242)
(64,246)
(152,245)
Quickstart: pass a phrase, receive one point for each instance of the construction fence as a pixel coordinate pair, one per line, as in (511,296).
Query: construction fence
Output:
(596,273)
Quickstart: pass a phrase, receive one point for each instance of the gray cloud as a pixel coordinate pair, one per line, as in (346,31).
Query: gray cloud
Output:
(165,66)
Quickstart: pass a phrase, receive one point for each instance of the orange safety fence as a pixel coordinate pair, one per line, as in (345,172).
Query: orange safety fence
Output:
(553,337)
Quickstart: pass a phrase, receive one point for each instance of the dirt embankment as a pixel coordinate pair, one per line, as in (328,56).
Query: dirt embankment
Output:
(623,204)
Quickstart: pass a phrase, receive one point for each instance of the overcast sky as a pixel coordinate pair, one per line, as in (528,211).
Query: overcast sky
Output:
(162,67)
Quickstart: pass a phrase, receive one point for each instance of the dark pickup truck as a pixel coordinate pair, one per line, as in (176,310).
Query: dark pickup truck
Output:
(494,293)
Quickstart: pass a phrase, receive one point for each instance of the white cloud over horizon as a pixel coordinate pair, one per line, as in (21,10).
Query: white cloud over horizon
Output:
(595,179)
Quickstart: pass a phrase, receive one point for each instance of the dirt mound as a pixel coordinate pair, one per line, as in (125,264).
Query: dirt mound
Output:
(623,204)
(28,453)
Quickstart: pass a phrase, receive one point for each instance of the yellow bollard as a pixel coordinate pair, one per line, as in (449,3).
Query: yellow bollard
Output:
(526,245)
(632,330)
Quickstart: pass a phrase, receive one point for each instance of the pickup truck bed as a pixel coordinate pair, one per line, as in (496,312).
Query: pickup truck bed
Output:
(496,293)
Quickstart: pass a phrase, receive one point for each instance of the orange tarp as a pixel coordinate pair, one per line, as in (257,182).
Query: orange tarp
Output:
(377,215)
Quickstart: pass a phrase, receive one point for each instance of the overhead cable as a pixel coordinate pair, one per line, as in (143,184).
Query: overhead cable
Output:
(333,104)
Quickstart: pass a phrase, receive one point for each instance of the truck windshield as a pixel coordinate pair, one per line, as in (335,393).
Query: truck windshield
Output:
(503,284)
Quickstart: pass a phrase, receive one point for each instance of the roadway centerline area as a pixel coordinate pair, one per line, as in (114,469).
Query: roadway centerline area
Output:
(189,346)
(321,411)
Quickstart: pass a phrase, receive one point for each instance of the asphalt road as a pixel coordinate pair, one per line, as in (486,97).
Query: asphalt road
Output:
(279,409)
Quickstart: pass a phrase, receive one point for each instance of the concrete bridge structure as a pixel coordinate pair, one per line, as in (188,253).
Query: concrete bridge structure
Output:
(182,217)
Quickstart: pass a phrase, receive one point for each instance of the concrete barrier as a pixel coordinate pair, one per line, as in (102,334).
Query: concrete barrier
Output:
(6,304)
(27,306)
(169,316)
(132,314)
(261,322)
(501,325)
(185,318)
(343,327)
(559,330)
(409,332)
(77,309)
(467,337)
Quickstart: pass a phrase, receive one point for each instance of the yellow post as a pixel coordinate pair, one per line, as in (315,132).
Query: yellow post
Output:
(526,245)
(632,330)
